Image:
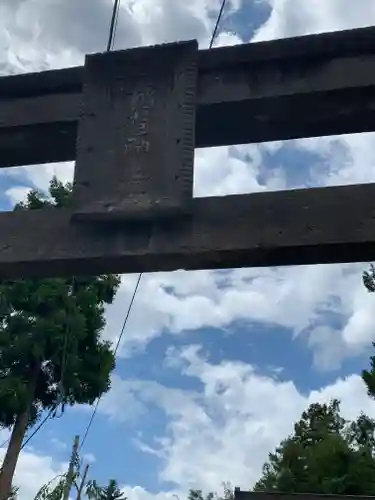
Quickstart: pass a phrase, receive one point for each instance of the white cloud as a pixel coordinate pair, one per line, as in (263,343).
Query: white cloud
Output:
(238,413)
(17,194)
(218,172)
(304,17)
(139,493)
(37,35)
(40,34)
(303,299)
(89,458)
(36,176)
(33,471)
(58,443)
(137,395)
(294,298)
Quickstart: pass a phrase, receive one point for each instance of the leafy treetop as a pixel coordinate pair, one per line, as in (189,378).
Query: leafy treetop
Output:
(324,454)
(53,326)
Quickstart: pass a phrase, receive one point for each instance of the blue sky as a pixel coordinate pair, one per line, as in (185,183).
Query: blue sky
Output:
(212,364)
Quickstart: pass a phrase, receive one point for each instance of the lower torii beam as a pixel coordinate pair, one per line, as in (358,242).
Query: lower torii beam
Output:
(311,226)
(265,495)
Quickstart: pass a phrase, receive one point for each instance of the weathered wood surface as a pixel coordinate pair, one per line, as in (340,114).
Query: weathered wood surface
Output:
(307,86)
(322,225)
(135,148)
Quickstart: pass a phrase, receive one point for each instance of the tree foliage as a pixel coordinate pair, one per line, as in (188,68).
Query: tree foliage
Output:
(368,376)
(13,494)
(227,494)
(53,490)
(325,454)
(50,346)
(109,492)
(56,323)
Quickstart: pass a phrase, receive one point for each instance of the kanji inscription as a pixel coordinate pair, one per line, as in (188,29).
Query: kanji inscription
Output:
(135,150)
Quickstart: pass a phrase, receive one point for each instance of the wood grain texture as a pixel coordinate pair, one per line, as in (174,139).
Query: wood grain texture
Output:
(135,147)
(322,225)
(307,86)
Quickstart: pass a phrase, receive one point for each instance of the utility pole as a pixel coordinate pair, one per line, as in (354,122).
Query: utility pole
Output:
(70,475)
(83,481)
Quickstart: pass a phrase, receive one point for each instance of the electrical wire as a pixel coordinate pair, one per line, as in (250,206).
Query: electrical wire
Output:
(32,434)
(61,390)
(89,425)
(112,32)
(215,31)
(111,39)
(115,27)
(43,422)
(52,412)
(109,47)
(112,28)
(48,416)
(39,426)
(4,443)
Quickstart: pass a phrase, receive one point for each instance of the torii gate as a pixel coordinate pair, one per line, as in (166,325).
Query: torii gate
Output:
(132,119)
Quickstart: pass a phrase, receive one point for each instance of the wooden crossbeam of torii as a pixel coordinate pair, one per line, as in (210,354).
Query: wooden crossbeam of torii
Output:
(132,119)
(265,495)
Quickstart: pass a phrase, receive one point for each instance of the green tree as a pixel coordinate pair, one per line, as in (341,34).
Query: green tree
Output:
(50,346)
(60,486)
(228,494)
(368,376)
(50,492)
(325,454)
(13,493)
(199,495)
(110,492)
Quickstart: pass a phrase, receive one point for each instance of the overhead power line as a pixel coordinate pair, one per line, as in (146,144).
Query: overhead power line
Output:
(111,38)
(39,426)
(110,43)
(112,32)
(217,24)
(33,433)
(115,352)
(113,26)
